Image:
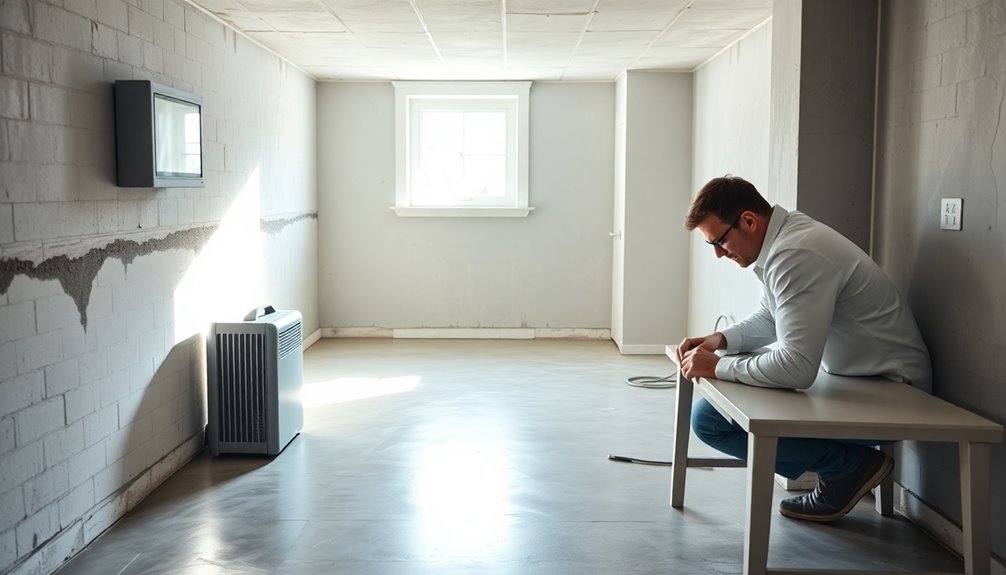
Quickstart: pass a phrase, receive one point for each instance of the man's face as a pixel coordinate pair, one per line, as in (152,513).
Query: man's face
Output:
(734,241)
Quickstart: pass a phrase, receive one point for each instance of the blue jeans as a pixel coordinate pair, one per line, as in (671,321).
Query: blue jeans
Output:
(829,458)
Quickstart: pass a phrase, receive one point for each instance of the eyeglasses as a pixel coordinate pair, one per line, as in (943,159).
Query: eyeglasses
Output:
(718,242)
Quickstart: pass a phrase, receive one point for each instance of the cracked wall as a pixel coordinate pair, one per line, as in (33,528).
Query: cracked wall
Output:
(76,275)
(104,291)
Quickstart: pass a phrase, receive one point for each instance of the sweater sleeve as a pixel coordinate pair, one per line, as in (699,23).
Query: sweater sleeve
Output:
(806,287)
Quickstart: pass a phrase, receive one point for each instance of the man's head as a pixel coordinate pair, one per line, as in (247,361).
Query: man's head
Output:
(732,216)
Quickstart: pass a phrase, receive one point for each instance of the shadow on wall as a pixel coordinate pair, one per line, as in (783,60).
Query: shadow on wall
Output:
(169,412)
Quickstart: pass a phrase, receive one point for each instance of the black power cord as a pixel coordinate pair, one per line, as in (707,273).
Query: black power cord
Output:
(649,382)
(623,459)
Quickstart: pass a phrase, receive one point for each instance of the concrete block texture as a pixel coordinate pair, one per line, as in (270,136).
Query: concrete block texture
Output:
(6,220)
(104,41)
(55,312)
(14,16)
(20,465)
(37,529)
(59,26)
(45,488)
(141,24)
(13,98)
(20,392)
(81,402)
(8,547)
(8,440)
(100,425)
(49,104)
(114,13)
(4,146)
(32,142)
(11,508)
(944,143)
(64,443)
(25,57)
(38,420)
(39,351)
(76,503)
(62,377)
(8,364)
(17,321)
(80,416)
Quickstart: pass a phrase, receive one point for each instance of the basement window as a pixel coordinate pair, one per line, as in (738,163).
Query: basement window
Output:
(461,149)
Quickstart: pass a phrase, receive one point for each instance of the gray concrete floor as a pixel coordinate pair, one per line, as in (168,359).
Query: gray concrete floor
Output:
(476,457)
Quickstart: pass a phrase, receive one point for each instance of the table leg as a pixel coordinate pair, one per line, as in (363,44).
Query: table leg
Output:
(975,515)
(885,491)
(682,425)
(761,470)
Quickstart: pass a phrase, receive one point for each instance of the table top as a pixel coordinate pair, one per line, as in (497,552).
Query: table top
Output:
(847,408)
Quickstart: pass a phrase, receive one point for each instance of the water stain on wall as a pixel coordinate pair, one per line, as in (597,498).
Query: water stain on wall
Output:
(76,275)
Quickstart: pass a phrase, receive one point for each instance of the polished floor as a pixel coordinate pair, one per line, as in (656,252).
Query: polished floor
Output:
(476,457)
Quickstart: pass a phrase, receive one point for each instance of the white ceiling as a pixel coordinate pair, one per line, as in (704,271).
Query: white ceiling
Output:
(491,39)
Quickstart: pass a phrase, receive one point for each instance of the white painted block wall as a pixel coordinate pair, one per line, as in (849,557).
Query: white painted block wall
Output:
(91,420)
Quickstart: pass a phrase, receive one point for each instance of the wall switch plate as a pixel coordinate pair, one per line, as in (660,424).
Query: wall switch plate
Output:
(950,214)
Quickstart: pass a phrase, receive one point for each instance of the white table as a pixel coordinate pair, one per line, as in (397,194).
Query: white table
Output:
(838,408)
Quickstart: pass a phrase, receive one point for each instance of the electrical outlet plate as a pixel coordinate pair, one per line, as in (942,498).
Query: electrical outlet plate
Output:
(950,214)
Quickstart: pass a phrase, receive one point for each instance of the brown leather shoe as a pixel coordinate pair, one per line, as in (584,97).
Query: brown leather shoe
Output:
(833,498)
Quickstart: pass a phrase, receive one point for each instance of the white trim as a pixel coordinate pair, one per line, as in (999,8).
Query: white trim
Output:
(936,525)
(404,91)
(571,333)
(468,333)
(473,212)
(642,349)
(311,339)
(464,333)
(355,332)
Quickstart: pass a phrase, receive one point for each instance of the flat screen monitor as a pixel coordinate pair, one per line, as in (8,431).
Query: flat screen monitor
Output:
(158,134)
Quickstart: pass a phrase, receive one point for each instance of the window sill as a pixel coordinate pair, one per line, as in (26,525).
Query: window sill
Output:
(412,212)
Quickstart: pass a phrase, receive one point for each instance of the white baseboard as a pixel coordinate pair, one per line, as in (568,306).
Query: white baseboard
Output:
(351,332)
(935,524)
(572,333)
(312,339)
(466,333)
(642,349)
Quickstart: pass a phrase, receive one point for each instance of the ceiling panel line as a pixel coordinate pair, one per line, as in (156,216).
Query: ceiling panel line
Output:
(579,40)
(429,36)
(662,32)
(503,30)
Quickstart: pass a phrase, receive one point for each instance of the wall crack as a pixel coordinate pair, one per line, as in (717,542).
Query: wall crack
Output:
(76,275)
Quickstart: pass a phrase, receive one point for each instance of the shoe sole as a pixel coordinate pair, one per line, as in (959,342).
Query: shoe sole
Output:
(875,480)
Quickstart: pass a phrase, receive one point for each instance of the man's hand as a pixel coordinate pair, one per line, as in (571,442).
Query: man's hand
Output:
(699,362)
(696,357)
(710,342)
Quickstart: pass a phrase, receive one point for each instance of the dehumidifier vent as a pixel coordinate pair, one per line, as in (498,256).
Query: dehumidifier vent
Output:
(290,339)
(242,387)
(254,378)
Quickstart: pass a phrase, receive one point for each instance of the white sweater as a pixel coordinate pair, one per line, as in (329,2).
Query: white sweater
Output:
(825,304)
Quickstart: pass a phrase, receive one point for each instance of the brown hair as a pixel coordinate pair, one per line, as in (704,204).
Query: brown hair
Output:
(726,198)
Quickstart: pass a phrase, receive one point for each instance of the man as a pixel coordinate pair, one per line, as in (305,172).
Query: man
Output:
(825,305)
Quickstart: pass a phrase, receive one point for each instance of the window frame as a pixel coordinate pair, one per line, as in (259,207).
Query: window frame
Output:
(408,93)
